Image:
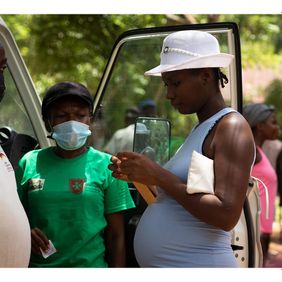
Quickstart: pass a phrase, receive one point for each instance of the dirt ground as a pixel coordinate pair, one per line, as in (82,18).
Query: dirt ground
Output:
(275,249)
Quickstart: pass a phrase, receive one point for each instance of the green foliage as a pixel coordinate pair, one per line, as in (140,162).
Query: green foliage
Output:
(77,47)
(273,97)
(260,39)
(260,55)
(68,46)
(71,47)
(261,28)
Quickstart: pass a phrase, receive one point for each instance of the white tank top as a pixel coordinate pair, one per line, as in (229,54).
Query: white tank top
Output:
(15,240)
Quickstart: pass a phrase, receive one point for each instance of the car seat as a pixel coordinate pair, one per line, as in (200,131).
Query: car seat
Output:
(15,145)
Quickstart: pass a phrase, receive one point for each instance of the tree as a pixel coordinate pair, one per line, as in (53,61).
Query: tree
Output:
(77,47)
(273,94)
(64,47)
(71,47)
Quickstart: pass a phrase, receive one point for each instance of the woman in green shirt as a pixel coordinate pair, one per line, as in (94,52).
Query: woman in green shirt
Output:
(69,195)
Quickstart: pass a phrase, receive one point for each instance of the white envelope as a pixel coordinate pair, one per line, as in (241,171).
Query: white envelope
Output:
(51,250)
(200,175)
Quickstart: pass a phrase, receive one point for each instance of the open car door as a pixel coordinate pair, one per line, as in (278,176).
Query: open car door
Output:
(21,125)
(123,84)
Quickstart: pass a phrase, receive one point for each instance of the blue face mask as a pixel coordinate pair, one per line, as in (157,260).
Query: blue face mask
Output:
(71,135)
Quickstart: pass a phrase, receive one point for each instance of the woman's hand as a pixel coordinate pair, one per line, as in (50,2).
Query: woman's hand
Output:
(38,241)
(130,166)
(115,168)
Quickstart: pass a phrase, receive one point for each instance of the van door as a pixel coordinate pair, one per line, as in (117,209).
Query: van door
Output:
(21,106)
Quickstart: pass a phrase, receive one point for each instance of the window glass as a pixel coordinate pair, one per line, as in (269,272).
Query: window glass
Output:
(13,113)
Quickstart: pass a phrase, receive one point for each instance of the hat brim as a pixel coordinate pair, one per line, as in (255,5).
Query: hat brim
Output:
(70,94)
(51,101)
(210,61)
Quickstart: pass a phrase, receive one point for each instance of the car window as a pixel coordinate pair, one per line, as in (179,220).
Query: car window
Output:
(13,112)
(124,85)
(20,108)
(21,125)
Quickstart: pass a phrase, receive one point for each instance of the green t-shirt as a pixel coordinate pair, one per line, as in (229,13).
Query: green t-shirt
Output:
(67,199)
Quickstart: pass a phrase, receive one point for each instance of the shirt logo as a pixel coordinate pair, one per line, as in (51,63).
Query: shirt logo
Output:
(2,156)
(36,184)
(76,185)
(6,162)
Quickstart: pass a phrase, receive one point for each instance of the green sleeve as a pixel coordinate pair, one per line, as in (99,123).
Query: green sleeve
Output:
(117,196)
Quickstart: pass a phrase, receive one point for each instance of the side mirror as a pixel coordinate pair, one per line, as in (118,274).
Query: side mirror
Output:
(152,138)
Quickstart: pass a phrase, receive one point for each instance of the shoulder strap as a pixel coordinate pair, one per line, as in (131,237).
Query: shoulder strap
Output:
(266,196)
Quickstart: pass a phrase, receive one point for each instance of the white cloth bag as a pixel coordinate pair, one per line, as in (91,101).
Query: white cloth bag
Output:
(200,175)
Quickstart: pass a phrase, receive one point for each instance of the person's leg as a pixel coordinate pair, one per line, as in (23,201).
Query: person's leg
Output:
(265,241)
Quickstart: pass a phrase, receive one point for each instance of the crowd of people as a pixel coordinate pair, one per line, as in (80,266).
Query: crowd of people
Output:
(64,206)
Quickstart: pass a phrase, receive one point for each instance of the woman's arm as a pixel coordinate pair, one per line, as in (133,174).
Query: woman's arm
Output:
(114,239)
(279,176)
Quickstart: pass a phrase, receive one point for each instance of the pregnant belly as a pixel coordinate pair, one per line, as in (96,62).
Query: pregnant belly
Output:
(168,236)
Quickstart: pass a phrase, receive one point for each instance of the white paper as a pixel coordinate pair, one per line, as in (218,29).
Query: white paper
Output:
(50,251)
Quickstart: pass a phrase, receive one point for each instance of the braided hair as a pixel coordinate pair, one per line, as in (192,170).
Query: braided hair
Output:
(221,77)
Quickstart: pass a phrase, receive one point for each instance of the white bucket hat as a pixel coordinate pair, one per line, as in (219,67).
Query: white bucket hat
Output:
(190,49)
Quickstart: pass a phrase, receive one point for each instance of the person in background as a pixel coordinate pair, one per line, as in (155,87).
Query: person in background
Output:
(122,139)
(98,130)
(262,120)
(15,242)
(148,108)
(75,207)
(279,176)
(193,230)
(273,150)
(142,145)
